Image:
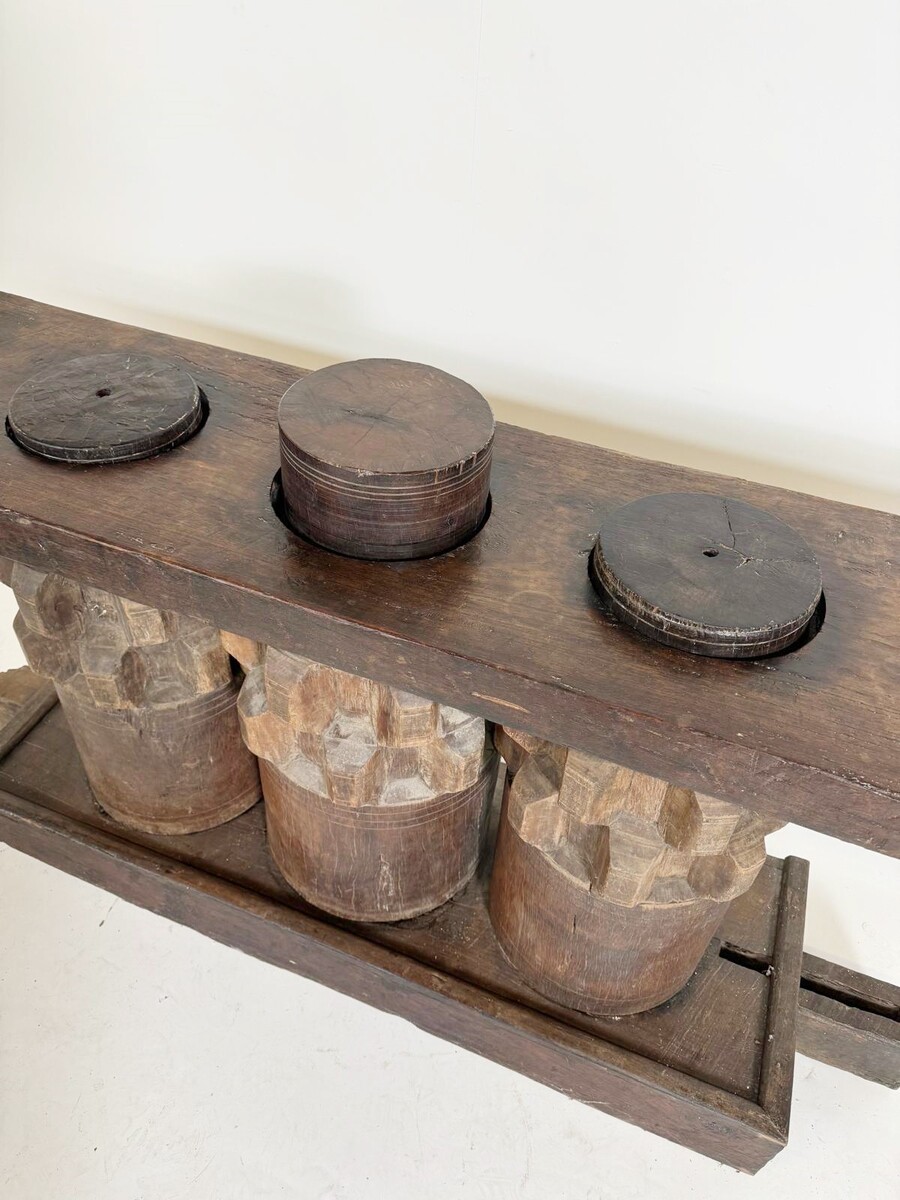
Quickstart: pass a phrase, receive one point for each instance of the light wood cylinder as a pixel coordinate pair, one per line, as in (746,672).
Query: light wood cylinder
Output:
(376,799)
(150,698)
(608,885)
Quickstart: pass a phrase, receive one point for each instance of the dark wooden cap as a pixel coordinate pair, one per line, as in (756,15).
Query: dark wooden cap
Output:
(105,408)
(707,574)
(385,459)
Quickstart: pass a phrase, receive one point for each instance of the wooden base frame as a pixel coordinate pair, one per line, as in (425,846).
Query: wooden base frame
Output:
(711,1069)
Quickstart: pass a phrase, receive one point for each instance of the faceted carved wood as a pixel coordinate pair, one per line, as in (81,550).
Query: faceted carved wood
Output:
(151,700)
(375,798)
(608,884)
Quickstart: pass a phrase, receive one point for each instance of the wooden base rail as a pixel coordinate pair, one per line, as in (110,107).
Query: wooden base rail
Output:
(711,1069)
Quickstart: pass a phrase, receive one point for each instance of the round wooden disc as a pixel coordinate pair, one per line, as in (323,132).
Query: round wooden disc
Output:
(385,459)
(105,408)
(707,574)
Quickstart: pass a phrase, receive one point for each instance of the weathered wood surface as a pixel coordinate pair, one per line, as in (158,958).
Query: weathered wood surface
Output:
(376,799)
(849,1020)
(608,885)
(385,459)
(151,700)
(507,626)
(692,1070)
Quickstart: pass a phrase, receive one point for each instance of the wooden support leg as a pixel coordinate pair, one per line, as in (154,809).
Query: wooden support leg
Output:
(150,698)
(375,798)
(608,885)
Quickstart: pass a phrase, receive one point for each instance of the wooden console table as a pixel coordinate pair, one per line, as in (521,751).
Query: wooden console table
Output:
(508,627)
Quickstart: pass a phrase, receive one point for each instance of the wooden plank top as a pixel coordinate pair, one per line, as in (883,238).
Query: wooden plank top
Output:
(507,625)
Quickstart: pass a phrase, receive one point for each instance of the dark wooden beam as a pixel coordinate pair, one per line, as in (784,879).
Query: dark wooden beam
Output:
(507,626)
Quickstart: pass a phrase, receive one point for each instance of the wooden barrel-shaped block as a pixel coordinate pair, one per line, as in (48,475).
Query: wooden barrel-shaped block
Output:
(608,885)
(150,697)
(376,799)
(167,768)
(375,863)
(385,459)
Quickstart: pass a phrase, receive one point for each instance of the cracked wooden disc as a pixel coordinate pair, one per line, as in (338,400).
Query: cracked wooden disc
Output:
(706,573)
(385,459)
(105,408)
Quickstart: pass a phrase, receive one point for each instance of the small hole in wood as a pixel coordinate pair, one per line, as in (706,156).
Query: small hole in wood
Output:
(102,392)
(710,553)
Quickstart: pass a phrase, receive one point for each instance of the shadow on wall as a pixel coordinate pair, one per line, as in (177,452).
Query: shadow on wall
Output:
(328,313)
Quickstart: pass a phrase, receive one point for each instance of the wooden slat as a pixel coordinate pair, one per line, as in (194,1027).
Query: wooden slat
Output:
(507,626)
(777,1068)
(850,1021)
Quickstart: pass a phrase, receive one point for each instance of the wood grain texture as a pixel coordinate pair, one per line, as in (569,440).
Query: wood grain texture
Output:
(105,408)
(376,799)
(850,1021)
(385,459)
(151,699)
(508,626)
(609,885)
(707,574)
(690,1070)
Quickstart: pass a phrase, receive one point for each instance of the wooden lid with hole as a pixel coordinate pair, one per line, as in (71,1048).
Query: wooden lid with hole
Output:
(105,408)
(385,459)
(707,574)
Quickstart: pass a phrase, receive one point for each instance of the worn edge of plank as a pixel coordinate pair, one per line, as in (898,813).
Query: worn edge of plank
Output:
(777,1068)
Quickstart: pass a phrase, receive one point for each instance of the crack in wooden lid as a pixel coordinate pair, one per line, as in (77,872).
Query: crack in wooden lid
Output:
(706,573)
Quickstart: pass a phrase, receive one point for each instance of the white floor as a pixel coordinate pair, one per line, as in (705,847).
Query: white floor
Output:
(139,1061)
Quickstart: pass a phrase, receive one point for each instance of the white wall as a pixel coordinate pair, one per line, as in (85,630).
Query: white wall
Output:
(670,225)
(677,216)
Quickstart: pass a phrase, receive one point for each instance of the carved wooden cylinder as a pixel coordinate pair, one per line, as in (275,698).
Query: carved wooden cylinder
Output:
(150,698)
(608,885)
(376,799)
